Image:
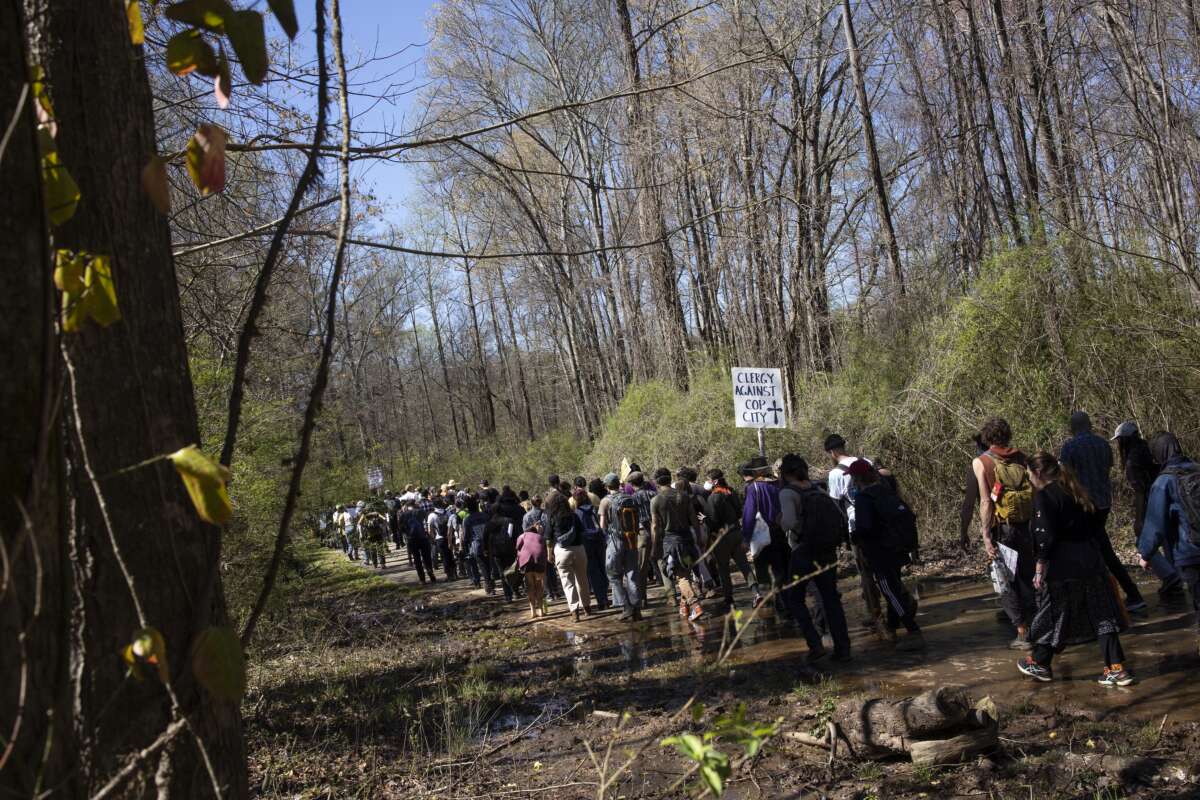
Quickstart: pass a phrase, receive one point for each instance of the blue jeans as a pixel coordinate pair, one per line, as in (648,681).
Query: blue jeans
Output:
(594,547)
(621,568)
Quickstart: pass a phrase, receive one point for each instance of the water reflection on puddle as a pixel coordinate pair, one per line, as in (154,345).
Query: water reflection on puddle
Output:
(966,644)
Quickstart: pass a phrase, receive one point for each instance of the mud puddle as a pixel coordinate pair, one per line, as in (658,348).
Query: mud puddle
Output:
(965,644)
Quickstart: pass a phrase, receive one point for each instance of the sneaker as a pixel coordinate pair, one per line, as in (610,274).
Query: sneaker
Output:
(816,654)
(758,598)
(841,657)
(637,615)
(1134,606)
(626,615)
(912,642)
(697,613)
(1116,675)
(1029,667)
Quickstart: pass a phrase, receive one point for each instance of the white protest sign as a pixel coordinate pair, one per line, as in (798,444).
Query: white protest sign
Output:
(758,398)
(375,478)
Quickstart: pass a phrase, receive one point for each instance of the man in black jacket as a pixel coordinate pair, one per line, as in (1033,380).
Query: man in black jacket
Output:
(723,518)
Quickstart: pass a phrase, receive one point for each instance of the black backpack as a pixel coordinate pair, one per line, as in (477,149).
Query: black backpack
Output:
(822,525)
(900,524)
(1187,479)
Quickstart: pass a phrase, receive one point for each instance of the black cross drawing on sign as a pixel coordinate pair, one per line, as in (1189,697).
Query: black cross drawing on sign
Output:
(775,407)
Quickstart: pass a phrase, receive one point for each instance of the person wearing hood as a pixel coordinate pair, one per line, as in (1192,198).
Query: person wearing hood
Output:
(1171,514)
(1140,471)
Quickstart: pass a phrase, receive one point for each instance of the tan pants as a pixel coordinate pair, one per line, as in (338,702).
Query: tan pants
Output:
(571,563)
(535,589)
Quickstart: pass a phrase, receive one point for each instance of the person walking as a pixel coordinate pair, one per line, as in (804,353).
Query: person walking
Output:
(594,544)
(418,543)
(532,562)
(570,557)
(880,519)
(1005,510)
(839,483)
(643,495)
(1172,523)
(475,525)
(967,511)
(619,521)
(1090,458)
(437,527)
(723,517)
(672,520)
(536,519)
(1140,471)
(1075,601)
(761,534)
(500,546)
(813,525)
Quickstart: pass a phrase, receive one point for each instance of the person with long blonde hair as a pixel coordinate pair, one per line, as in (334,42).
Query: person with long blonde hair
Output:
(1075,597)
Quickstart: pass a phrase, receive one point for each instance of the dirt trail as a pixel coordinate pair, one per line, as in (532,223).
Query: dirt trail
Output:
(965,644)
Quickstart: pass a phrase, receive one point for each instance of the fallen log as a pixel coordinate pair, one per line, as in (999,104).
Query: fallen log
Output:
(932,752)
(878,728)
(940,726)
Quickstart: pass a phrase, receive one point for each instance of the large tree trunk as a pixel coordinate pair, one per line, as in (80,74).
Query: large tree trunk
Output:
(130,400)
(33,646)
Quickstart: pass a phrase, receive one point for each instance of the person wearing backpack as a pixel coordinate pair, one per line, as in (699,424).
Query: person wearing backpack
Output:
(839,483)
(418,543)
(619,521)
(1172,522)
(723,516)
(1140,471)
(643,494)
(813,525)
(475,526)
(672,520)
(437,528)
(594,544)
(764,539)
(1005,510)
(500,546)
(570,557)
(884,531)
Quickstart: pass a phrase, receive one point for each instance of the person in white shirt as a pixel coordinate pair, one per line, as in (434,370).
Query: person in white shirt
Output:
(839,489)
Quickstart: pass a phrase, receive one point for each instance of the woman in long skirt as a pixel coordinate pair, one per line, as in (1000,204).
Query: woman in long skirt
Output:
(1075,598)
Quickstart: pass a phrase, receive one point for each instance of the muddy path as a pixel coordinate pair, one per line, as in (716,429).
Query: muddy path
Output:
(559,697)
(965,644)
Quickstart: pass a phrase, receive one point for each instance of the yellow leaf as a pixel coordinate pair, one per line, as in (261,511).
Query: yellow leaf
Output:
(154,184)
(61,191)
(219,664)
(205,481)
(147,648)
(101,293)
(137,31)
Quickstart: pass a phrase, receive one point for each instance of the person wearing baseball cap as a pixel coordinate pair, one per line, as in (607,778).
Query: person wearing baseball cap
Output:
(839,482)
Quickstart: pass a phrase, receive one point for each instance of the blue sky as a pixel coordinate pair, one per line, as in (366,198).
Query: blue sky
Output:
(384,27)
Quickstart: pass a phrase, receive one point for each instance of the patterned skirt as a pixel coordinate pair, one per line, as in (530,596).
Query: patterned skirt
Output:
(1075,611)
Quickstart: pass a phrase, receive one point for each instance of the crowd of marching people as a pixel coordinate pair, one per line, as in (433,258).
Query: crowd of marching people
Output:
(603,543)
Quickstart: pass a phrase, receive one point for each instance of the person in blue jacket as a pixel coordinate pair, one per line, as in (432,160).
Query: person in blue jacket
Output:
(1166,526)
